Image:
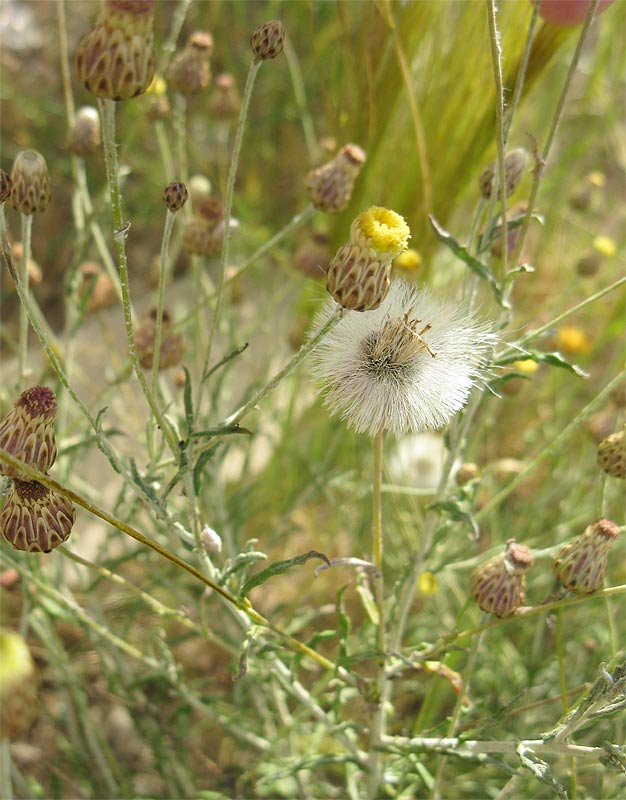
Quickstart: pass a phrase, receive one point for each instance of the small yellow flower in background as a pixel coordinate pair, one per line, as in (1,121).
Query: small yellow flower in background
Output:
(526,366)
(427,584)
(573,340)
(605,246)
(597,178)
(157,86)
(409,260)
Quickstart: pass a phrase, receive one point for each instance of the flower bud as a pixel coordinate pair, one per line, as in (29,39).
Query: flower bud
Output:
(211,540)
(267,40)
(612,454)
(358,277)
(580,566)
(172,347)
(115,58)
(6,185)
(18,686)
(330,186)
(27,432)
(465,473)
(499,585)
(36,519)
(202,238)
(85,136)
(175,196)
(31,190)
(190,73)
(97,286)
(514,165)
(224,103)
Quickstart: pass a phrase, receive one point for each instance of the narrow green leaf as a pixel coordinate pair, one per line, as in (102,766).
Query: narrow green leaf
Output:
(187,400)
(278,568)
(219,431)
(555,359)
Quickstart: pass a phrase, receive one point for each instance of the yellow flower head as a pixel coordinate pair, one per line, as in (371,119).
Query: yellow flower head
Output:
(526,366)
(409,260)
(573,340)
(383,230)
(605,246)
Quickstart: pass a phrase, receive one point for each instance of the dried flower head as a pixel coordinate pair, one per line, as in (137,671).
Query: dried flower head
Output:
(499,586)
(224,102)
(330,186)
(6,185)
(18,686)
(580,566)
(27,432)
(175,196)
(115,59)
(360,273)
(97,287)
(407,366)
(172,347)
(31,191)
(190,73)
(267,40)
(36,519)
(202,238)
(612,454)
(85,136)
(514,165)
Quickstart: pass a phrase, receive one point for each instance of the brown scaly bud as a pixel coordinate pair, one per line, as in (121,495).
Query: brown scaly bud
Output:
(6,185)
(202,239)
(36,519)
(514,165)
(175,196)
(31,190)
(580,566)
(27,432)
(115,59)
(224,102)
(85,136)
(330,186)
(190,73)
(267,40)
(18,686)
(359,275)
(499,586)
(172,347)
(612,454)
(97,287)
(465,473)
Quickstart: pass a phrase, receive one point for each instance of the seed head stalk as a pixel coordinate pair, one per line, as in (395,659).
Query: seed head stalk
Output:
(27,224)
(107,114)
(228,206)
(163,277)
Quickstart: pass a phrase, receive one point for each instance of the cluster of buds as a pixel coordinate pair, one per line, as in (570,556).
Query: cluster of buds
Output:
(85,136)
(580,566)
(515,163)
(330,186)
(499,586)
(115,59)
(34,518)
(190,73)
(224,102)
(31,190)
(172,347)
(204,233)
(268,40)
(359,275)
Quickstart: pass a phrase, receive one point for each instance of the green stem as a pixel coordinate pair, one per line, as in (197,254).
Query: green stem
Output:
(379,721)
(107,113)
(163,278)
(308,128)
(27,224)
(541,162)
(302,353)
(496,59)
(228,206)
(521,74)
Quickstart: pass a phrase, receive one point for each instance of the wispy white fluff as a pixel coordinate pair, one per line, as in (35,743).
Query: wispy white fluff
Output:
(377,370)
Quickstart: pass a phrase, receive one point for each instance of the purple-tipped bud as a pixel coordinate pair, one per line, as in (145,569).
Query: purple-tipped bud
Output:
(27,432)
(175,196)
(612,454)
(580,566)
(267,40)
(190,73)
(6,185)
(36,519)
(499,586)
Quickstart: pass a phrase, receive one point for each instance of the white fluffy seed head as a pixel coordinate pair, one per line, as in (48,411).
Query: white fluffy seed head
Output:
(409,365)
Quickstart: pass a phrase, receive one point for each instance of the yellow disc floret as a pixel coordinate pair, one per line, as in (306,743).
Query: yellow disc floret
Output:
(384,231)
